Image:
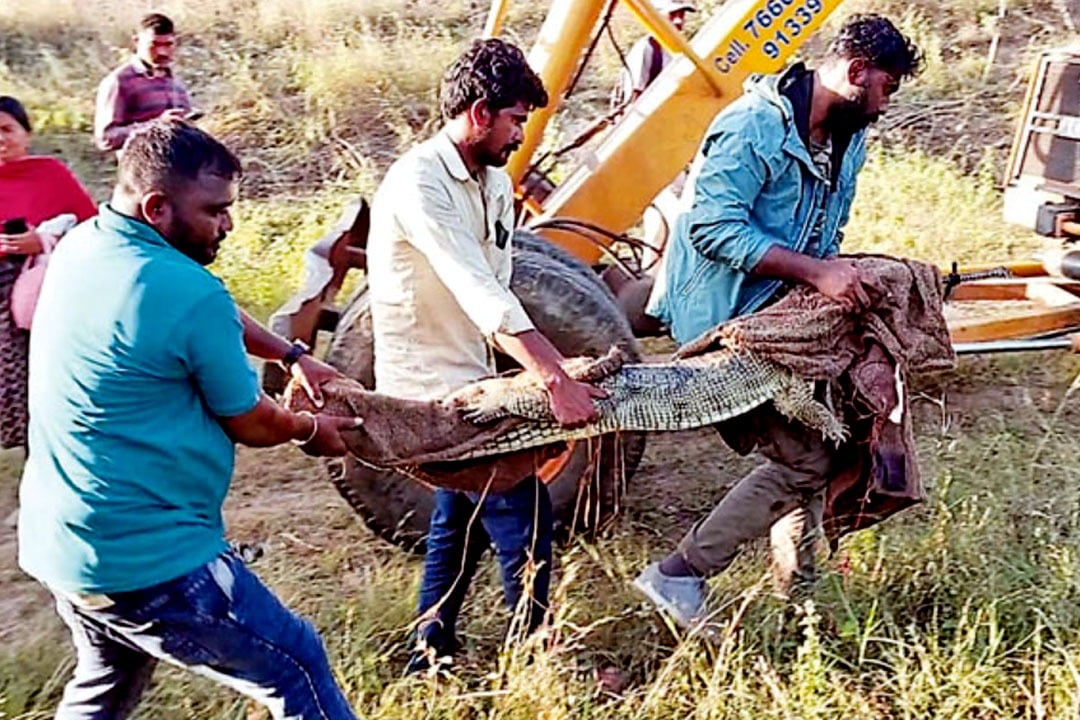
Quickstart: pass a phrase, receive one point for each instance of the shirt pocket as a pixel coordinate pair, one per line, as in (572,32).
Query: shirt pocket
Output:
(781,205)
(698,274)
(502,236)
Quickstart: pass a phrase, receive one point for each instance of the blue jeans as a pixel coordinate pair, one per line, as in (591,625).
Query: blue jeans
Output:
(219,621)
(517,523)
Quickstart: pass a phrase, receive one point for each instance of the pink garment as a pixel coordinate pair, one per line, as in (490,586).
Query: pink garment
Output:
(25,291)
(40,190)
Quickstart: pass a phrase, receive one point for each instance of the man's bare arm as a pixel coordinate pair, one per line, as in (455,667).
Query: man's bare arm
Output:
(833,277)
(269,424)
(264,344)
(571,401)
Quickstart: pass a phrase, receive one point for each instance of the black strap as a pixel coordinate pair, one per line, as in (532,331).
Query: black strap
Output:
(656,63)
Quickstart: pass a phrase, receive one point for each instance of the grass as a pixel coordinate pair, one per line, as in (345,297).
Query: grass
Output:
(965,607)
(913,204)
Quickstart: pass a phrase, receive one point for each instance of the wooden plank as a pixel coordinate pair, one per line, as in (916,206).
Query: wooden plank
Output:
(1018,325)
(1053,294)
(996,290)
(1024,268)
(1050,290)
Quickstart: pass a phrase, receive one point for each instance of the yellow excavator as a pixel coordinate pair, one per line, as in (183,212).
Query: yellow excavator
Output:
(579,274)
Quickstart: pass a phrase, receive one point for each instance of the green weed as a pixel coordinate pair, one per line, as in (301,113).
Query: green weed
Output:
(915,205)
(965,607)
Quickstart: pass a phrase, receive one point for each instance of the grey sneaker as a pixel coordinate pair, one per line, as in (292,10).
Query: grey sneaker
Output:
(681,598)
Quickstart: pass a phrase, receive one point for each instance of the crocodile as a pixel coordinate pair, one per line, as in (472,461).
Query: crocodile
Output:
(509,414)
(642,397)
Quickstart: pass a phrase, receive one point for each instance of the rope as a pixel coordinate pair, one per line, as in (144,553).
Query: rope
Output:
(588,231)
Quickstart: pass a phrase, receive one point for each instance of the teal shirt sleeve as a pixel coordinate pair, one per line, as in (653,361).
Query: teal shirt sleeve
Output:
(730,180)
(212,347)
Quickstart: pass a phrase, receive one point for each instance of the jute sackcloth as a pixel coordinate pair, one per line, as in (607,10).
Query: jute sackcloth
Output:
(861,355)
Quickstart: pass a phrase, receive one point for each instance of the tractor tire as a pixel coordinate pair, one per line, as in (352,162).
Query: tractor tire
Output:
(528,241)
(572,309)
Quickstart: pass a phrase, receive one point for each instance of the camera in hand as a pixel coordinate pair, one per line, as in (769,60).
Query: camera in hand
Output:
(15,226)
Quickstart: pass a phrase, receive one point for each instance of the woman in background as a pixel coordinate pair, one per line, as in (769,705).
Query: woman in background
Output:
(40,200)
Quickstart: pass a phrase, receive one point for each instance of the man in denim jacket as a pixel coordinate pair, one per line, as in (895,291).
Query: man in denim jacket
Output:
(772,190)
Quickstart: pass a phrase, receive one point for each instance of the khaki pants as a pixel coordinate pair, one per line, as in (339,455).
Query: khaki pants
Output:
(783,497)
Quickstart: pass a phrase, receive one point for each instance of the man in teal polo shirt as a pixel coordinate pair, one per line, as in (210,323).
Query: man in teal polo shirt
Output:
(140,388)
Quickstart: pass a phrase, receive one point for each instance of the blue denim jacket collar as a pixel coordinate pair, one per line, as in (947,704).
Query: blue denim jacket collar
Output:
(706,277)
(767,87)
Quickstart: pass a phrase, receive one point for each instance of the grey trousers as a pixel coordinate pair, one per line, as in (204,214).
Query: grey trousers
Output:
(783,498)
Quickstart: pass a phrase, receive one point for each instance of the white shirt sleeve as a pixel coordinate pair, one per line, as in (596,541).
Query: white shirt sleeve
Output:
(436,229)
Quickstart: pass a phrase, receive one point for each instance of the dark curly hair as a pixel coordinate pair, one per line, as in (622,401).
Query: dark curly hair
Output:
(875,39)
(491,70)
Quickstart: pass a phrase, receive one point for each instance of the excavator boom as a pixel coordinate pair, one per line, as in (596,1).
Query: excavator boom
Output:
(657,135)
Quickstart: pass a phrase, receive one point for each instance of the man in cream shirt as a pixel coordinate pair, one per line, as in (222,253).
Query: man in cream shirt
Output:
(439,264)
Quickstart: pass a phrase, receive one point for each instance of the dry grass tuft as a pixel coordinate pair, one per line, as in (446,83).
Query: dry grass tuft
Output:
(964,607)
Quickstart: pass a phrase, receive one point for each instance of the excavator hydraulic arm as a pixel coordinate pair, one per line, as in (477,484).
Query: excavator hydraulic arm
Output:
(657,135)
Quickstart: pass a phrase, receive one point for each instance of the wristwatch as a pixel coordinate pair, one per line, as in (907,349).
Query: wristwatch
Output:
(295,351)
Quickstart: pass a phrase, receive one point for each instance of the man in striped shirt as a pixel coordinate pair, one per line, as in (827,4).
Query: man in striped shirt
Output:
(142,89)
